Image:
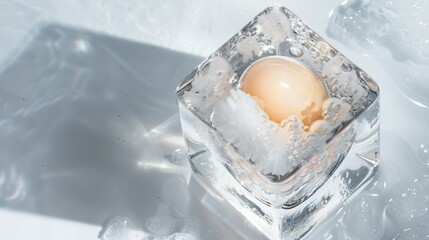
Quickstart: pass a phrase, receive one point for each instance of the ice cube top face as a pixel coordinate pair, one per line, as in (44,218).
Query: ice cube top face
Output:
(280,103)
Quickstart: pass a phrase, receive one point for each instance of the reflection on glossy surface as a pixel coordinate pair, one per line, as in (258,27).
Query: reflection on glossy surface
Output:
(423,153)
(12,187)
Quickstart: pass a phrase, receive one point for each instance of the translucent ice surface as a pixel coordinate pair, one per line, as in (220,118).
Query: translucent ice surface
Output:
(117,228)
(280,173)
(400,27)
(394,206)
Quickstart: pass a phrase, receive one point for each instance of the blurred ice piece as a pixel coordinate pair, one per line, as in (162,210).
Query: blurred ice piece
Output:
(362,212)
(401,27)
(120,228)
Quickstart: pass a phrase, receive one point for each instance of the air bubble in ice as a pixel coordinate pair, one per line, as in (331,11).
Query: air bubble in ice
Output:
(335,111)
(296,50)
(303,37)
(297,25)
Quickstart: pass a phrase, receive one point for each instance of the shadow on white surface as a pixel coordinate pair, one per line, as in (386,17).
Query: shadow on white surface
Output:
(89,130)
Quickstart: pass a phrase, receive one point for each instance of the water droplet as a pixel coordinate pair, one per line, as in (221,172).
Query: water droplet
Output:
(423,153)
(296,50)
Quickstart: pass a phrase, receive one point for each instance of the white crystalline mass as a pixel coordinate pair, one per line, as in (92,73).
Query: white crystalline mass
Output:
(274,149)
(210,85)
(276,26)
(335,111)
(248,47)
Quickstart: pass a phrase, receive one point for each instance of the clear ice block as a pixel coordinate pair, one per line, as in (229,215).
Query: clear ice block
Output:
(287,205)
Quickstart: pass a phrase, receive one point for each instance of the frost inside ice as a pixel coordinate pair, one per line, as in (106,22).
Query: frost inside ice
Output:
(343,80)
(210,84)
(275,149)
(276,26)
(254,137)
(248,47)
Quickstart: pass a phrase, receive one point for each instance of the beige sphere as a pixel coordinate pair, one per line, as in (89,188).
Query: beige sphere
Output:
(283,87)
